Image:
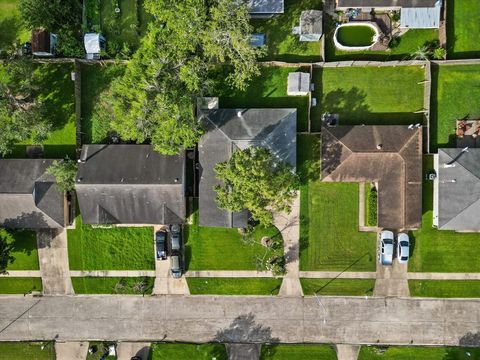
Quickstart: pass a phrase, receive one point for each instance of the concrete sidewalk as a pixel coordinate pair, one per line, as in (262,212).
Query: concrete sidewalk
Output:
(112,273)
(229,273)
(336,274)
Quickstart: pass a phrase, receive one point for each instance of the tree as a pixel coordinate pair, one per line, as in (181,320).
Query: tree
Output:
(22,115)
(422,53)
(64,172)
(439,53)
(255,180)
(6,247)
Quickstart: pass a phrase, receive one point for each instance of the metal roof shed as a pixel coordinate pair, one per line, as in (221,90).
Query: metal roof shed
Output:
(94,43)
(265,7)
(311,28)
(298,84)
(421,18)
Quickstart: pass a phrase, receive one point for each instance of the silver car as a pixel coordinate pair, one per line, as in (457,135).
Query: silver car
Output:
(175,266)
(403,248)
(386,247)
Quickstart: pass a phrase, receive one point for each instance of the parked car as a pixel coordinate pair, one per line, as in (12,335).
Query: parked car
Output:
(161,244)
(176,266)
(176,236)
(403,252)
(386,247)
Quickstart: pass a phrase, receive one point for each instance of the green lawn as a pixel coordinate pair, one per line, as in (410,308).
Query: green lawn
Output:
(445,288)
(120,27)
(116,248)
(269,90)
(27,350)
(11,26)
(329,236)
(417,352)
(439,251)
(409,42)
(455,95)
(189,351)
(95,79)
(463,29)
(24,250)
(282,45)
(16,285)
(343,287)
(112,285)
(298,352)
(211,248)
(234,286)
(100,348)
(369,95)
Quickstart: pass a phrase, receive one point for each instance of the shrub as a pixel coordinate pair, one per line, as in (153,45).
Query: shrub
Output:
(372,207)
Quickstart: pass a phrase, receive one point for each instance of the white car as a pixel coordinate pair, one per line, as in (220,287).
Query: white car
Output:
(403,252)
(386,247)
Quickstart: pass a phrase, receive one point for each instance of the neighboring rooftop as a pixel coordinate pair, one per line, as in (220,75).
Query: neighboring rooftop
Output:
(29,197)
(386,3)
(265,7)
(298,83)
(227,130)
(389,155)
(130,184)
(421,17)
(458,191)
(311,28)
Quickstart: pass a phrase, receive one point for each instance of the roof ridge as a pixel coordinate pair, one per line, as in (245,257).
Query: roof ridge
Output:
(459,163)
(414,136)
(461,212)
(216,127)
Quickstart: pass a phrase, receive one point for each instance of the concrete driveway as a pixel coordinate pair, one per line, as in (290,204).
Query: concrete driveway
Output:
(242,319)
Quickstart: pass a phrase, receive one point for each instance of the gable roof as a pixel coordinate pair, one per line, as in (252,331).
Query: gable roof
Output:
(265,7)
(350,154)
(386,3)
(459,189)
(226,132)
(130,184)
(29,197)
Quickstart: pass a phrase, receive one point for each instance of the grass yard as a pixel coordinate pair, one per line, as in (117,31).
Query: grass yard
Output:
(24,250)
(100,348)
(121,28)
(463,29)
(432,250)
(369,95)
(417,352)
(18,285)
(112,285)
(445,288)
(329,236)
(11,26)
(211,248)
(165,351)
(269,90)
(116,248)
(342,287)
(408,44)
(298,352)
(27,350)
(282,45)
(455,95)
(96,78)
(234,286)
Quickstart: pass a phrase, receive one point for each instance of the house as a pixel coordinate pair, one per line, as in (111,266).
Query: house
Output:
(311,28)
(414,14)
(130,184)
(43,43)
(298,84)
(265,8)
(457,189)
(229,130)
(94,45)
(29,197)
(388,155)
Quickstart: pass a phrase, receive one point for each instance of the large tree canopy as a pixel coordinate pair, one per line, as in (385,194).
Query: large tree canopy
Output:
(255,180)
(154,100)
(64,172)
(22,116)
(6,245)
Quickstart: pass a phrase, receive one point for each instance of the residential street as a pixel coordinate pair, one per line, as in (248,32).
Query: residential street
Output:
(340,320)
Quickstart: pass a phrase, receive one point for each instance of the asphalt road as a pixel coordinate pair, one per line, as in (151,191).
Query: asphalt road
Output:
(345,320)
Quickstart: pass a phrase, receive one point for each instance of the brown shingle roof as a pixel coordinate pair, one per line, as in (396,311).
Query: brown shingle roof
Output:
(350,154)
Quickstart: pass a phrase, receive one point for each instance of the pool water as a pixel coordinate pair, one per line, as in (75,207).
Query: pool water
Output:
(357,35)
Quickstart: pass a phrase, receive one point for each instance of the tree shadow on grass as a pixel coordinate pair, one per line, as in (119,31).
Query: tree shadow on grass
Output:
(25,241)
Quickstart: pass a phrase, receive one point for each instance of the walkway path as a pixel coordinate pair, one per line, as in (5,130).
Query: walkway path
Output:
(349,320)
(392,280)
(289,226)
(336,274)
(53,259)
(112,273)
(71,350)
(229,273)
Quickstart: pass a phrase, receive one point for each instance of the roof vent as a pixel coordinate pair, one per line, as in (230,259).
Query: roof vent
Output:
(239,113)
(176,180)
(379,146)
(79,179)
(122,180)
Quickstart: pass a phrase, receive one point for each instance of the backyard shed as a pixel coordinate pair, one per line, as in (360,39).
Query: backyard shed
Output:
(421,17)
(94,44)
(298,84)
(311,25)
(265,8)
(43,43)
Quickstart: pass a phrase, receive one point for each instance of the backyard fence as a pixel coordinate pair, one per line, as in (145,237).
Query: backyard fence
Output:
(78,108)
(457,62)
(426,101)
(362,63)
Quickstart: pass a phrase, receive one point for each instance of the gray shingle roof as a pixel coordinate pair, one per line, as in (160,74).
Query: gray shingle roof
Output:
(225,132)
(459,190)
(29,197)
(130,184)
(350,154)
(265,6)
(386,3)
